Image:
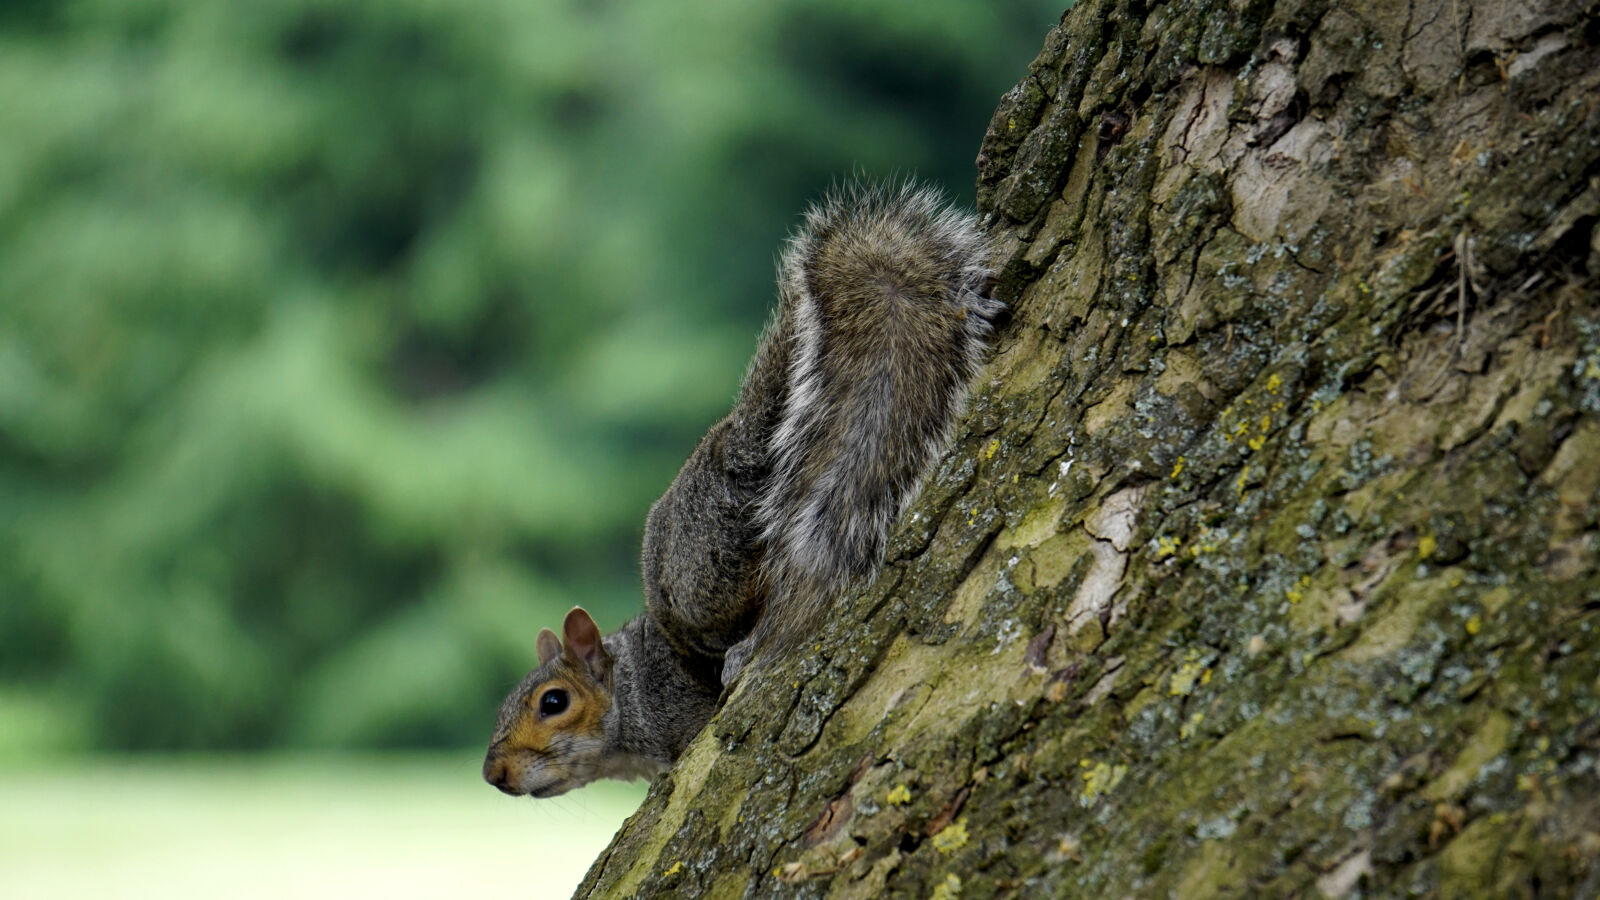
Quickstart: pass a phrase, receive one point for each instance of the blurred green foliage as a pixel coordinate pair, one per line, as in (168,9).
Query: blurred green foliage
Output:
(344,344)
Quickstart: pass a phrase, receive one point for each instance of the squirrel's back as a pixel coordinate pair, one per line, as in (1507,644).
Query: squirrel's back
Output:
(884,289)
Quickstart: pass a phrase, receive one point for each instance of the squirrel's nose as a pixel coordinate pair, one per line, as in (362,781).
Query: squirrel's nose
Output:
(497,773)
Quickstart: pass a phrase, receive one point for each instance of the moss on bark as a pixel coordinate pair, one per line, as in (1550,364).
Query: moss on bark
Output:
(1266,559)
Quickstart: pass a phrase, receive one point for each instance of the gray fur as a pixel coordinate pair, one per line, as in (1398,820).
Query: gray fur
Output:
(660,700)
(851,397)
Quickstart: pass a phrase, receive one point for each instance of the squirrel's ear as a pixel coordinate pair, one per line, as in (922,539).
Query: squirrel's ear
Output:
(549,646)
(582,640)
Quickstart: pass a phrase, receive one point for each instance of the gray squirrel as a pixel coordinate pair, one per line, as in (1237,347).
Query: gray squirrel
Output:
(883,318)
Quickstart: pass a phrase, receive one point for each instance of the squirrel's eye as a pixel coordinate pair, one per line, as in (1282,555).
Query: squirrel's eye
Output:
(553,702)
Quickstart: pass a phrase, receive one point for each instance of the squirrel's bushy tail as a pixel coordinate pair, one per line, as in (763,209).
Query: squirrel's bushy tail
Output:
(883,290)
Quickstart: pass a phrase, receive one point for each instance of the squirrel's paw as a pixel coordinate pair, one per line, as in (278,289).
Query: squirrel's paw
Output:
(735,661)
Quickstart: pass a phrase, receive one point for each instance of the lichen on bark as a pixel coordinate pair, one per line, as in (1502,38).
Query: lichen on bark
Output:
(1265,562)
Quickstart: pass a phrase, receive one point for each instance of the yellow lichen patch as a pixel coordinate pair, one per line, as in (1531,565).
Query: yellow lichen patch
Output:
(1177,468)
(1191,672)
(1297,592)
(900,795)
(992,449)
(1166,546)
(1474,625)
(1264,426)
(1203,544)
(1426,545)
(675,869)
(1187,729)
(1274,383)
(1100,779)
(948,889)
(952,837)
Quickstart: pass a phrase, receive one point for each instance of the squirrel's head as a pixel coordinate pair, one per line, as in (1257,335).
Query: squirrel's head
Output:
(550,738)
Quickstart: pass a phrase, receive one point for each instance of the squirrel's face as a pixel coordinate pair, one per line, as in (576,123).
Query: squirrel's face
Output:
(550,737)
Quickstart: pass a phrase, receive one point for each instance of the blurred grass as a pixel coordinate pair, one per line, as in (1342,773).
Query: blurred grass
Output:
(304,827)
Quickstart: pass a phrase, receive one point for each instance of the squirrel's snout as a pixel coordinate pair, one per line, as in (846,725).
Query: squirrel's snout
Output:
(497,773)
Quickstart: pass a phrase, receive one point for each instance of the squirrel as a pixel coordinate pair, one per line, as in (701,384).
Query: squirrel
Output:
(883,318)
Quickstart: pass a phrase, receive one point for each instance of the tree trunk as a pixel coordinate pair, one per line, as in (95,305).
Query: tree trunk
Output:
(1265,562)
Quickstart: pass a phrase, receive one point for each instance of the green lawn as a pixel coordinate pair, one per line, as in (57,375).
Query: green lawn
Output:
(348,827)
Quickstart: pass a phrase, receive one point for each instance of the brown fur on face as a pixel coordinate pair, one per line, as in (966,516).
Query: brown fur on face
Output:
(544,755)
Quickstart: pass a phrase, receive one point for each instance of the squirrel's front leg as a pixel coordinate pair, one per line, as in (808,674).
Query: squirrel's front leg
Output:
(701,557)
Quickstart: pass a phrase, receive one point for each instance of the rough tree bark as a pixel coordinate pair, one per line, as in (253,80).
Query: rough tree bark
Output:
(1266,560)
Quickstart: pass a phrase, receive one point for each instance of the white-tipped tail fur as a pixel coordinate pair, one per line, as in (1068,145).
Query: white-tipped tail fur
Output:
(885,291)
